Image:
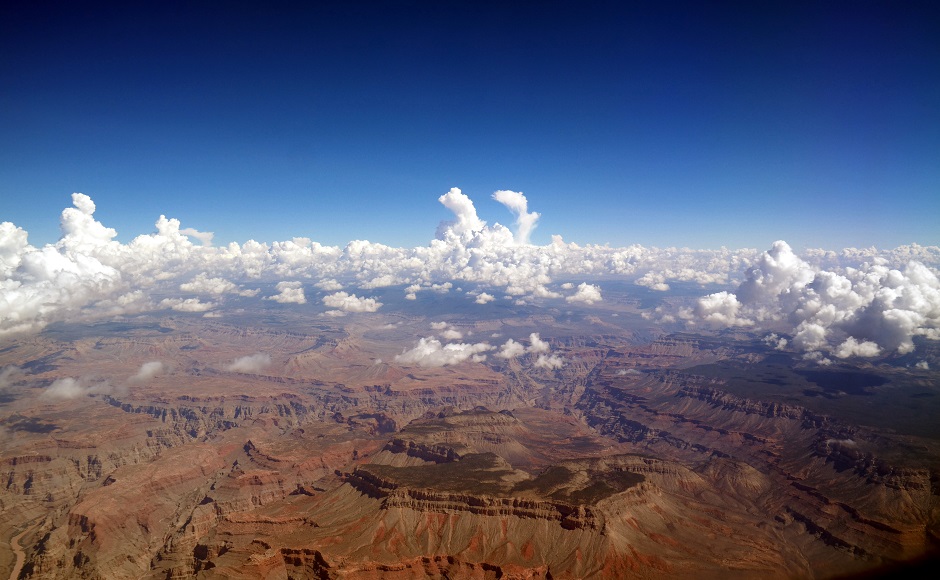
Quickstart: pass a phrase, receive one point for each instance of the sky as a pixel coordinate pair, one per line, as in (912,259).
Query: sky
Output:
(663,124)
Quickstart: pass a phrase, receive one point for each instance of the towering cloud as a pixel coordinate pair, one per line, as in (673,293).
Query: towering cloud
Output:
(467,221)
(519,205)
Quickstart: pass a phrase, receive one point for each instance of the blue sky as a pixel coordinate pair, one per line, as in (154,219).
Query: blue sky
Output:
(683,124)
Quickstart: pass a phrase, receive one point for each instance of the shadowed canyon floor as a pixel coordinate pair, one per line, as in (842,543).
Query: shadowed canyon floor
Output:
(646,453)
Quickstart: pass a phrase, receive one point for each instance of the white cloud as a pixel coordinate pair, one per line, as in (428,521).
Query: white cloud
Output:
(148,371)
(202,284)
(452,334)
(289,293)
(516,203)
(820,298)
(922,365)
(852,347)
(205,238)
(70,388)
(429,352)
(511,349)
(536,344)
(778,342)
(484,298)
(251,364)
(329,285)
(187,305)
(851,311)
(545,361)
(587,293)
(351,303)
(467,221)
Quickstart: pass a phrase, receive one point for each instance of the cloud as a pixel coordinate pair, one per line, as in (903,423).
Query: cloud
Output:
(148,371)
(628,372)
(202,284)
(205,238)
(429,352)
(484,298)
(10,375)
(587,293)
(329,285)
(452,334)
(467,221)
(517,203)
(545,361)
(251,364)
(852,347)
(289,293)
(536,344)
(186,305)
(351,303)
(70,388)
(511,349)
(848,311)
(819,298)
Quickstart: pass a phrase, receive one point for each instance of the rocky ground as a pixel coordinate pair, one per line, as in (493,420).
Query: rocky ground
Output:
(629,460)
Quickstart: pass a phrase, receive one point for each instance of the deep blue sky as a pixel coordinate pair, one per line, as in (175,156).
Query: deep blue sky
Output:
(690,124)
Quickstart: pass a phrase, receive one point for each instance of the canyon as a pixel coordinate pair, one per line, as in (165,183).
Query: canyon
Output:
(649,453)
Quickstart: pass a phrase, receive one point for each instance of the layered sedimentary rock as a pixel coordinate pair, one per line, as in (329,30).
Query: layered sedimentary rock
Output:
(629,460)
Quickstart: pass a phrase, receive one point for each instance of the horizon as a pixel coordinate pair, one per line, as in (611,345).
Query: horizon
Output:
(676,126)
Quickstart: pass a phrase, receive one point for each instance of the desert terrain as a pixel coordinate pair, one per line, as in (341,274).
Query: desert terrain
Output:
(274,443)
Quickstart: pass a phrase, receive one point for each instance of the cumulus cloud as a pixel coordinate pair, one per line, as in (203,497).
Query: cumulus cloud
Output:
(70,388)
(187,305)
(819,298)
(587,293)
(251,364)
(467,222)
(289,293)
(852,347)
(148,371)
(484,298)
(511,349)
(430,352)
(517,203)
(203,284)
(329,285)
(351,303)
(536,344)
(545,361)
(851,311)
(452,334)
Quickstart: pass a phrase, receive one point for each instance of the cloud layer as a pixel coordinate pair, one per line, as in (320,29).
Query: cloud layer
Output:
(821,299)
